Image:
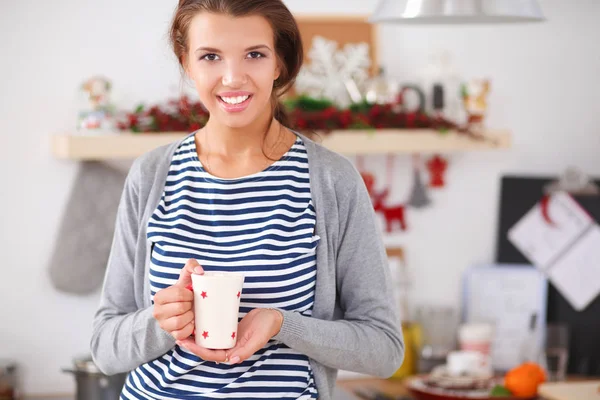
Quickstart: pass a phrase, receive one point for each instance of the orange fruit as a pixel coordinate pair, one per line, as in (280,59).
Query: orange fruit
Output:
(523,381)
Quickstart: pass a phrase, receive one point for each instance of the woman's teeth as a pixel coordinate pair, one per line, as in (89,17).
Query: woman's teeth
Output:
(235,100)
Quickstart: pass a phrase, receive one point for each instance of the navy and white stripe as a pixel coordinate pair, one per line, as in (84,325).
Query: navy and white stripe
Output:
(261,225)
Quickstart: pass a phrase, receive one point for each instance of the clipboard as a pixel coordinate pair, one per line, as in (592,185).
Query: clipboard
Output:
(508,296)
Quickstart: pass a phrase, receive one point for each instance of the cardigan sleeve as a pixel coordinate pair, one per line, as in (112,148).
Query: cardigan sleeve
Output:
(125,336)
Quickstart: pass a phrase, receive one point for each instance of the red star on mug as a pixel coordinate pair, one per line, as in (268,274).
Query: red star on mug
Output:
(233,335)
(204,295)
(205,334)
(238,295)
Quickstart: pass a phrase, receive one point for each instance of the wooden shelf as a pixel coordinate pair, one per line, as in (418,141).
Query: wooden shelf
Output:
(101,146)
(123,145)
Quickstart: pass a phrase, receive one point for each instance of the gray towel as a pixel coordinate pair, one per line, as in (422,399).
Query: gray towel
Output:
(86,231)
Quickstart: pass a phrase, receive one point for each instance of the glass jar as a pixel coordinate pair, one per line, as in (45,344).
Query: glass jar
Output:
(439,326)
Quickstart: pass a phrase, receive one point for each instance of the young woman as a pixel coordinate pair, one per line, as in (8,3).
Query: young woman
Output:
(245,194)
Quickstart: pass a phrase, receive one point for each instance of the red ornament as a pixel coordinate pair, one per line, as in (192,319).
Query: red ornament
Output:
(437,167)
(394,215)
(369,180)
(544,203)
(205,334)
(204,295)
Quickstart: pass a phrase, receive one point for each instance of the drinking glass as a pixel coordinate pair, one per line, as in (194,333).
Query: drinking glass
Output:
(555,355)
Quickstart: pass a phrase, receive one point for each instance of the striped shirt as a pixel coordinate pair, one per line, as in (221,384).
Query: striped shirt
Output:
(261,225)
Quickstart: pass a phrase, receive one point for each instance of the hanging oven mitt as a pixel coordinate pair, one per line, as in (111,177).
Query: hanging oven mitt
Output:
(83,242)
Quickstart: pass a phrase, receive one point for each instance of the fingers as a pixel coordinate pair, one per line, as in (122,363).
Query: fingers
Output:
(245,349)
(181,290)
(184,333)
(177,322)
(173,294)
(185,276)
(219,356)
(173,309)
(173,306)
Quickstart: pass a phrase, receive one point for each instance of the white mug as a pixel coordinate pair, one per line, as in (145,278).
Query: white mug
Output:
(216,308)
(469,363)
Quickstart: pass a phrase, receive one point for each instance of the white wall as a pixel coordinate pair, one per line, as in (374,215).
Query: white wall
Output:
(546,89)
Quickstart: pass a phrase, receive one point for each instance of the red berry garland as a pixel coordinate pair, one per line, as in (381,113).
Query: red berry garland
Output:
(185,115)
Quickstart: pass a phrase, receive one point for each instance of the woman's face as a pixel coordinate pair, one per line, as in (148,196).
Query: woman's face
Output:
(233,64)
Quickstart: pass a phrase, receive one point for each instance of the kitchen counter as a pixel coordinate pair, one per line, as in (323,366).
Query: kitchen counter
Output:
(342,393)
(392,388)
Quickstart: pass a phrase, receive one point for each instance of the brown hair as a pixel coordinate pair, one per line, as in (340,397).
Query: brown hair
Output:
(288,43)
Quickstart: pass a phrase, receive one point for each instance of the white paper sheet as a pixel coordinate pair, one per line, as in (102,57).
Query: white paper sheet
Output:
(576,274)
(543,243)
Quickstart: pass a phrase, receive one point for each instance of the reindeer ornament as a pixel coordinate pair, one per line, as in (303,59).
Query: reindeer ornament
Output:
(395,214)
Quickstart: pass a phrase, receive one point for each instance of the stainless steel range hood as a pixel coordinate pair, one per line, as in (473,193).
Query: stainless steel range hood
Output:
(456,11)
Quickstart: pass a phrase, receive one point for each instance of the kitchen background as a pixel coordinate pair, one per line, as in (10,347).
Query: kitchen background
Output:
(545,90)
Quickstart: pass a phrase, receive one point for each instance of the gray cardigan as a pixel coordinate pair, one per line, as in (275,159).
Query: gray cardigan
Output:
(354,325)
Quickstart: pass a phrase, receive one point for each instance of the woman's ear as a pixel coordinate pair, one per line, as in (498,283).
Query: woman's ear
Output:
(277,73)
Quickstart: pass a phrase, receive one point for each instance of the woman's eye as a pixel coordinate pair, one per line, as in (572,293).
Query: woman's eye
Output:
(255,54)
(210,57)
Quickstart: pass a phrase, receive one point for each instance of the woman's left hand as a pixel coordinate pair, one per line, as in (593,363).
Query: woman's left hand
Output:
(254,331)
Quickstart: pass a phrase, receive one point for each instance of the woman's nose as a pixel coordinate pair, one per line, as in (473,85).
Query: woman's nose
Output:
(234,76)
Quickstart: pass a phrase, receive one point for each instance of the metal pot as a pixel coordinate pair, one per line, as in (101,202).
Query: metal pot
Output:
(8,380)
(92,384)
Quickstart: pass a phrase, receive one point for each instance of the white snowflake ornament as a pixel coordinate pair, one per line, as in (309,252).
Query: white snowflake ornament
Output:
(335,74)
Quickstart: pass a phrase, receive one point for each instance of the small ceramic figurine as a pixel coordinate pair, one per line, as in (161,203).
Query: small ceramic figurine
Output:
(474,94)
(98,111)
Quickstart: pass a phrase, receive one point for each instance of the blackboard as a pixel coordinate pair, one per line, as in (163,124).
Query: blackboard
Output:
(517,196)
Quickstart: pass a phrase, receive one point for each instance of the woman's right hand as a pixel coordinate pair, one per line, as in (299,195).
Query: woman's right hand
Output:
(174,311)
(174,306)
